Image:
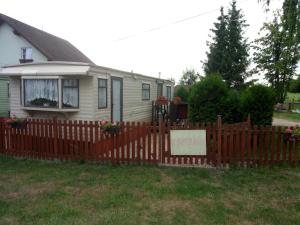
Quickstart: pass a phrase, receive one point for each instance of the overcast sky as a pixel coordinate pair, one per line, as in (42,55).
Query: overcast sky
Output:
(118,34)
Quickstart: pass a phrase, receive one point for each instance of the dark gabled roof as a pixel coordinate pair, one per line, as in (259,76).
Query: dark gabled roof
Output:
(54,48)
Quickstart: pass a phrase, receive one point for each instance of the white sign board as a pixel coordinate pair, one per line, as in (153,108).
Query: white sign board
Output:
(188,142)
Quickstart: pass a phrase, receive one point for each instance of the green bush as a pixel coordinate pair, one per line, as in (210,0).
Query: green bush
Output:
(182,92)
(232,110)
(294,86)
(207,99)
(258,101)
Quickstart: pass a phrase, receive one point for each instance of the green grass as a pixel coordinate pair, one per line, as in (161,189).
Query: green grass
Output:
(293,97)
(33,192)
(288,116)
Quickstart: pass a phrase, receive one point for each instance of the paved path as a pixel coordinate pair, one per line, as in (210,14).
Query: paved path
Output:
(283,122)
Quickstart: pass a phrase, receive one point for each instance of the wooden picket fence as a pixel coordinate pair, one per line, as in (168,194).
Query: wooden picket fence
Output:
(146,143)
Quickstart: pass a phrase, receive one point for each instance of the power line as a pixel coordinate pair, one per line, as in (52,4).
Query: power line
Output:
(172,23)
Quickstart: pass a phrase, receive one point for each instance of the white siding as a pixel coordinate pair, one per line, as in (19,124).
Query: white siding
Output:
(10,47)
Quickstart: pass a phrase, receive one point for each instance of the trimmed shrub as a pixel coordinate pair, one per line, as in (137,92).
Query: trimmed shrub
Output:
(233,109)
(182,92)
(207,99)
(258,101)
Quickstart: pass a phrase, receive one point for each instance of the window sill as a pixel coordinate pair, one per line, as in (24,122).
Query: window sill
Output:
(50,109)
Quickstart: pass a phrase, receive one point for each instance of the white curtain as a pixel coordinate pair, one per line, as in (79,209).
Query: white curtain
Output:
(38,89)
(70,93)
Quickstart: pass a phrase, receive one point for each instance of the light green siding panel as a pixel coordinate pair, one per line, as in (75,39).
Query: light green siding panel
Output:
(4,101)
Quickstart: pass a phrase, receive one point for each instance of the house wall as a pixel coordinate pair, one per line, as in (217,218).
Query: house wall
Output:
(4,102)
(134,108)
(11,44)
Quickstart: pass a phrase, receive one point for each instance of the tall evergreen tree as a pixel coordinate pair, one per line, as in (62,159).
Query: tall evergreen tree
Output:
(215,63)
(238,48)
(228,51)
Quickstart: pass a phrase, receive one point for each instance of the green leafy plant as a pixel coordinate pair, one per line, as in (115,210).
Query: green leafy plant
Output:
(258,101)
(110,127)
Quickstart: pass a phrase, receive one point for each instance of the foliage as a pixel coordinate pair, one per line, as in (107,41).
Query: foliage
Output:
(207,99)
(258,101)
(276,55)
(294,85)
(109,126)
(182,92)
(16,122)
(189,77)
(228,51)
(43,102)
(232,111)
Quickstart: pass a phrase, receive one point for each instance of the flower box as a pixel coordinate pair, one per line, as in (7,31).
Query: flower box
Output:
(15,122)
(109,127)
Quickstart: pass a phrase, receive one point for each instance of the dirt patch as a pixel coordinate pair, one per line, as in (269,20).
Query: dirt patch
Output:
(31,191)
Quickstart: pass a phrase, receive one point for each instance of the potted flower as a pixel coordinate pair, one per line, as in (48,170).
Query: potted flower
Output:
(109,127)
(292,134)
(161,100)
(15,122)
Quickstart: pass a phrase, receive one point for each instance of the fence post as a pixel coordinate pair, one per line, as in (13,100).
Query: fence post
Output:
(249,120)
(219,147)
(55,134)
(160,141)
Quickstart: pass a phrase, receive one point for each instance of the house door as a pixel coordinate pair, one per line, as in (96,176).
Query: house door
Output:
(116,99)
(159,89)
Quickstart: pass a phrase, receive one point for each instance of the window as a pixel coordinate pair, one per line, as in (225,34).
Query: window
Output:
(169,93)
(145,91)
(102,93)
(41,93)
(26,53)
(70,93)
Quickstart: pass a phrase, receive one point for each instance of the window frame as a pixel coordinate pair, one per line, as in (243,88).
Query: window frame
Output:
(106,91)
(62,93)
(24,58)
(42,107)
(147,89)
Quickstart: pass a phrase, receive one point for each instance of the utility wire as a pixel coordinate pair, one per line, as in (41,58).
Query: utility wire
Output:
(171,24)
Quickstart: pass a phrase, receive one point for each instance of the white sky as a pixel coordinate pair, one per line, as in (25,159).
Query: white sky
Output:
(95,26)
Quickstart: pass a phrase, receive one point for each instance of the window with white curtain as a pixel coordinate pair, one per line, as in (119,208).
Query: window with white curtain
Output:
(145,91)
(70,94)
(26,53)
(102,93)
(41,92)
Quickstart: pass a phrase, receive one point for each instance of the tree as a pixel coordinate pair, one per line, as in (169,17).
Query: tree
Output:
(238,48)
(276,55)
(189,77)
(215,63)
(228,51)
(291,15)
(182,92)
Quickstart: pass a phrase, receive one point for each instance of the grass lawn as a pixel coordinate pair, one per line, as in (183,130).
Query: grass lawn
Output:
(293,96)
(34,192)
(288,116)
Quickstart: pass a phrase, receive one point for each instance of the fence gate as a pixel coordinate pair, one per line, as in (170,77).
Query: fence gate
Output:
(187,144)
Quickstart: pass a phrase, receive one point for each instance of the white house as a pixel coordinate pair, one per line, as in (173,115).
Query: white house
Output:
(50,77)
(82,91)
(22,43)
